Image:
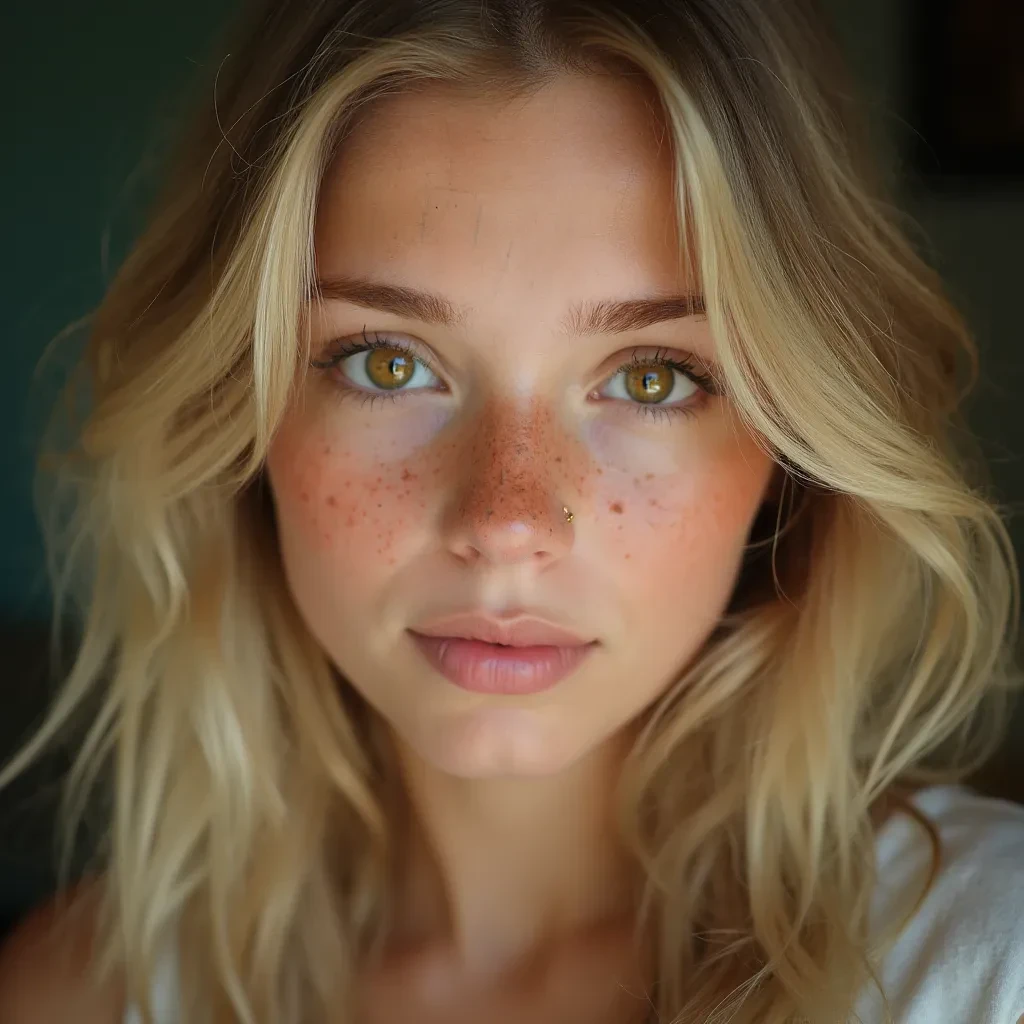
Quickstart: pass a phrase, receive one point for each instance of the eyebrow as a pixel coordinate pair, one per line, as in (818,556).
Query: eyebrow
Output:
(588,318)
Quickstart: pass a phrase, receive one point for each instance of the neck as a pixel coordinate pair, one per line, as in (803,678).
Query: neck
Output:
(499,868)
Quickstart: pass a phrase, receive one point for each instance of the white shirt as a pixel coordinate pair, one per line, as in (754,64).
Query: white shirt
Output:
(959,959)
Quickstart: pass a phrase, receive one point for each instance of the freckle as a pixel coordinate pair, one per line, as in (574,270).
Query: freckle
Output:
(648,476)
(653,502)
(332,501)
(327,449)
(616,507)
(600,471)
(628,556)
(379,505)
(305,496)
(406,475)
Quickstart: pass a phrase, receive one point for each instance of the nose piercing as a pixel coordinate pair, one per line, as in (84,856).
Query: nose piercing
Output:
(569,517)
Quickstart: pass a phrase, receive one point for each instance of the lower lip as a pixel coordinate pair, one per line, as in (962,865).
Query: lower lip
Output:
(491,668)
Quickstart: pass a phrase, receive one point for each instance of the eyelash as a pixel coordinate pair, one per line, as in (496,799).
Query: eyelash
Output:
(688,369)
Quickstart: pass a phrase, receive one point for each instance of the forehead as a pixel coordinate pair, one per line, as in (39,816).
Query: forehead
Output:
(571,188)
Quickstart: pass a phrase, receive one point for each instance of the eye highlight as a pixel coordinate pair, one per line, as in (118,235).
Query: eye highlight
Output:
(380,366)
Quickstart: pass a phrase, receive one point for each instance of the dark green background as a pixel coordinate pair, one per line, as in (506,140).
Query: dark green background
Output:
(90,91)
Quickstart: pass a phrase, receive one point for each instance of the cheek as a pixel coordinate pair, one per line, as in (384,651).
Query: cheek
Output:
(684,531)
(342,502)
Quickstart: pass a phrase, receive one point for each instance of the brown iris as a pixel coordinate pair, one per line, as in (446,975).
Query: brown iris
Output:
(389,368)
(650,383)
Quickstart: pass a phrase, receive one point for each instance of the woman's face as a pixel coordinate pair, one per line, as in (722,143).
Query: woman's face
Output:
(421,484)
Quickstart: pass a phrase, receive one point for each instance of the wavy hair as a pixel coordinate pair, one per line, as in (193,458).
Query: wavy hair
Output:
(248,807)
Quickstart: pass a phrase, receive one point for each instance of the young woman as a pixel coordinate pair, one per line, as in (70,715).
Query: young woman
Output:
(534,568)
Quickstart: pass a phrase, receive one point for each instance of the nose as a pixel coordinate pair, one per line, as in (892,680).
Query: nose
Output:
(510,505)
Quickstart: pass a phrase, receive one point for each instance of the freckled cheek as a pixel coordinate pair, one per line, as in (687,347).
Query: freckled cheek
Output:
(696,520)
(351,490)
(347,512)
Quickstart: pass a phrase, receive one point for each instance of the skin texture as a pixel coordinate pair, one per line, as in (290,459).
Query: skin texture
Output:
(449,498)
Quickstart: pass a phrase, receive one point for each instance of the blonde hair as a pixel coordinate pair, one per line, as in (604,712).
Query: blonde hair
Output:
(870,642)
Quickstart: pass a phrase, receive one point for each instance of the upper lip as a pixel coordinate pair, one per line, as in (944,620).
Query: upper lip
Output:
(521,631)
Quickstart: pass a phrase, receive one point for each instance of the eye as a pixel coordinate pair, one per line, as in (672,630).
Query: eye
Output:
(386,368)
(380,365)
(651,385)
(657,380)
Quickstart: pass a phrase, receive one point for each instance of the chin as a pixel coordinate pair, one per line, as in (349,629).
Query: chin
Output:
(498,743)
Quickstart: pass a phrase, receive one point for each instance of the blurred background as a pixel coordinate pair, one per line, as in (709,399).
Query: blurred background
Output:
(92,90)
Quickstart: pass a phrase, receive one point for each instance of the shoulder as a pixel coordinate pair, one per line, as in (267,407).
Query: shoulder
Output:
(45,967)
(960,955)
(973,830)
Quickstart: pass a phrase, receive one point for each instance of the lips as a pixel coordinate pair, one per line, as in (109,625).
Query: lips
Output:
(501,656)
(519,632)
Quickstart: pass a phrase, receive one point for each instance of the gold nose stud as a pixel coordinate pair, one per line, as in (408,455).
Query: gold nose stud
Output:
(569,517)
